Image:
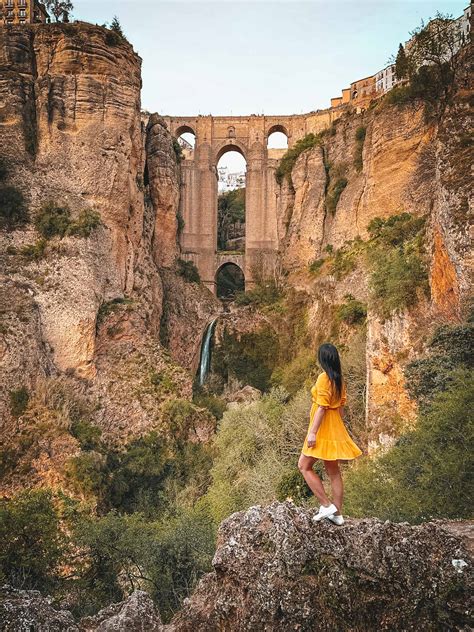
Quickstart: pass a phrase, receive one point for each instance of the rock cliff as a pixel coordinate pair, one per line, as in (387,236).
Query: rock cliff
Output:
(91,305)
(387,160)
(275,569)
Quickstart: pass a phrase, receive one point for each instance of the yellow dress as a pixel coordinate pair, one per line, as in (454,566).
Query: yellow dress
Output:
(332,439)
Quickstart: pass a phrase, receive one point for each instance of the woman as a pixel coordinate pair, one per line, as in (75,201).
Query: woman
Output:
(327,437)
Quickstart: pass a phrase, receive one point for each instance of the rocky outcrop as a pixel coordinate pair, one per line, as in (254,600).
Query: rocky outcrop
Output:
(275,569)
(137,613)
(162,178)
(26,610)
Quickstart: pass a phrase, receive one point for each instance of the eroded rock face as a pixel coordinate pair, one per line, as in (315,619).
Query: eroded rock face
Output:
(26,610)
(275,569)
(137,613)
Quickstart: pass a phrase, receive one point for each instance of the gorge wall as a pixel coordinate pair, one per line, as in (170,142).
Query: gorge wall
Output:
(89,310)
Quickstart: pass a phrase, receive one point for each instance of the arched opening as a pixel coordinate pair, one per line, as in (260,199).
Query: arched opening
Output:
(231,174)
(186,139)
(229,280)
(277,138)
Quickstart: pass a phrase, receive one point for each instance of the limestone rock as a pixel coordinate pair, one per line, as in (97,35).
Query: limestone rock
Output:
(137,613)
(26,610)
(275,569)
(245,395)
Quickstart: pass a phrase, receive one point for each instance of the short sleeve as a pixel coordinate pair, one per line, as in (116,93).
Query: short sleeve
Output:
(323,391)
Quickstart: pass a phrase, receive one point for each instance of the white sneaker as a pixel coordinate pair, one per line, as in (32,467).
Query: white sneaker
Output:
(325,512)
(337,519)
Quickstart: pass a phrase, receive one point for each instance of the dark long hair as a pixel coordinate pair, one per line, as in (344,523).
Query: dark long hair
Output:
(328,357)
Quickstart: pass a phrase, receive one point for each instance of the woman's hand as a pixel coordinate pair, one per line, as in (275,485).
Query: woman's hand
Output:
(311,439)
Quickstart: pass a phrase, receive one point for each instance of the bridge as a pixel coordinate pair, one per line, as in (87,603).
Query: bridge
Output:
(248,135)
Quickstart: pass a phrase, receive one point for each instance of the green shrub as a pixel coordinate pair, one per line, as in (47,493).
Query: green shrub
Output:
(19,401)
(360,133)
(399,95)
(188,270)
(428,473)
(110,307)
(32,542)
(216,405)
(162,381)
(292,485)
(289,159)
(352,312)
(87,221)
(181,223)
(334,193)
(87,434)
(13,210)
(265,293)
(450,348)
(178,151)
(53,220)
(113,39)
(35,251)
(397,262)
(316,265)
(299,372)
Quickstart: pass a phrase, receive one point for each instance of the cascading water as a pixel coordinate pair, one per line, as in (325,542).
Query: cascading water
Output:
(205,358)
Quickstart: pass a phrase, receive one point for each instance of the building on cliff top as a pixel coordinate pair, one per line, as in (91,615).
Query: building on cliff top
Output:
(23,12)
(362,91)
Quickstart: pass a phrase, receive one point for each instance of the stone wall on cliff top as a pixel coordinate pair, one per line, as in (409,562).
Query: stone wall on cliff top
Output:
(409,164)
(71,132)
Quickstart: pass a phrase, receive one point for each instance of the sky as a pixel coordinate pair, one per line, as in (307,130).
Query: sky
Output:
(229,57)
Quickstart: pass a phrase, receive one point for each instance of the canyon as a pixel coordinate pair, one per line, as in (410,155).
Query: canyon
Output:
(112,318)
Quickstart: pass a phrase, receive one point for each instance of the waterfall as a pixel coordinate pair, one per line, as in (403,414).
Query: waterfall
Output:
(205,358)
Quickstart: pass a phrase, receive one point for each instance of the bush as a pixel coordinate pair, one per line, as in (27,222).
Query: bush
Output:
(87,221)
(53,220)
(113,39)
(334,193)
(292,485)
(450,348)
(300,371)
(289,159)
(188,270)
(13,210)
(398,96)
(428,474)
(110,307)
(19,401)
(32,542)
(352,312)
(216,405)
(178,151)
(265,293)
(316,265)
(87,434)
(35,251)
(397,262)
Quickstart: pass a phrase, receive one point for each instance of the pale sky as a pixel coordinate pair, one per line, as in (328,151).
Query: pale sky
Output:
(226,57)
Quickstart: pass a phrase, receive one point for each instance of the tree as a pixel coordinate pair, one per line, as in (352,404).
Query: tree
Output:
(401,63)
(60,9)
(436,44)
(230,216)
(117,27)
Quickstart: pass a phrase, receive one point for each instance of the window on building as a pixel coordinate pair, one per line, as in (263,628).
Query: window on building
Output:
(22,13)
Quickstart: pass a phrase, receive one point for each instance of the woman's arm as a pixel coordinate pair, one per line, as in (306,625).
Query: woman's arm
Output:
(318,417)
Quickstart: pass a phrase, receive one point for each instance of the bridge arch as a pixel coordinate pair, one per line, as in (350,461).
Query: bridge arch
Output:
(230,144)
(184,129)
(229,280)
(277,128)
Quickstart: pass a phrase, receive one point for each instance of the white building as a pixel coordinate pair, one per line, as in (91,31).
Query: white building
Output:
(230,181)
(386,79)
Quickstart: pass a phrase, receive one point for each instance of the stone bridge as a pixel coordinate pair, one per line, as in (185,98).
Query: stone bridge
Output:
(216,135)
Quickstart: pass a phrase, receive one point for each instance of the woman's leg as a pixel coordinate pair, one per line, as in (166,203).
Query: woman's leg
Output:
(337,486)
(305,466)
